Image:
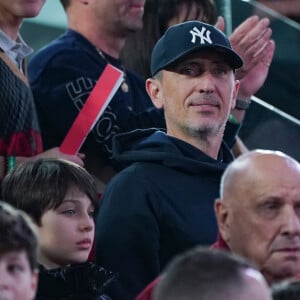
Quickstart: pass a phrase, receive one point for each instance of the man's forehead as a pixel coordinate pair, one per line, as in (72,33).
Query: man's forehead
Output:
(207,55)
(204,56)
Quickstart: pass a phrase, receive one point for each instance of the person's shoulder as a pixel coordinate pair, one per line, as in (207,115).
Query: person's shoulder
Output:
(61,43)
(69,41)
(135,76)
(136,178)
(65,50)
(131,173)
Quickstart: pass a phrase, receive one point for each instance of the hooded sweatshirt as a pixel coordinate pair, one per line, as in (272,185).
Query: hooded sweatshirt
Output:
(82,281)
(161,204)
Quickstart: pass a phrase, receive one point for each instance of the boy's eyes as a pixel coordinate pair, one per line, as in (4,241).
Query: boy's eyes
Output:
(69,212)
(92,213)
(15,268)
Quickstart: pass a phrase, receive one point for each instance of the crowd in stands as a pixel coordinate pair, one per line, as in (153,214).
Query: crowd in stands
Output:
(163,201)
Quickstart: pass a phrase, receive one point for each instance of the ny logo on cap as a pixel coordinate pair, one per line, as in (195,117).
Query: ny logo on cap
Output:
(200,34)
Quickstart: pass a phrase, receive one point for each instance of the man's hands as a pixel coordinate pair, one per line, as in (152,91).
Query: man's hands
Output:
(252,41)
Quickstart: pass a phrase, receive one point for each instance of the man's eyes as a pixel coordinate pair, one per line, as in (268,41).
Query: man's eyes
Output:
(270,209)
(190,70)
(196,70)
(272,206)
(221,70)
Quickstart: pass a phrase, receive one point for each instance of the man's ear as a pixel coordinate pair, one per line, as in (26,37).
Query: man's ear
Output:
(154,90)
(221,212)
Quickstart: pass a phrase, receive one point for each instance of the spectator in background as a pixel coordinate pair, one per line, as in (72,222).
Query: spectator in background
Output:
(19,130)
(280,89)
(158,16)
(61,198)
(258,213)
(63,73)
(210,275)
(18,255)
(162,203)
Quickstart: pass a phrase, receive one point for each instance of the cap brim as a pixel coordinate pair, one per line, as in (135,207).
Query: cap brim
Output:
(231,56)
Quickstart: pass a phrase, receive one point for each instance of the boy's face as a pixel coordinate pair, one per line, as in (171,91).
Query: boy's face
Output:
(67,232)
(17,280)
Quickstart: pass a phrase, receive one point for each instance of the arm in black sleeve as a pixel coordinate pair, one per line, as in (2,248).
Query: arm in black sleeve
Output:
(127,234)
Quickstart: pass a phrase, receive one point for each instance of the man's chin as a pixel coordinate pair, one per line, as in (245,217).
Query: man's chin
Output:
(285,271)
(134,25)
(206,130)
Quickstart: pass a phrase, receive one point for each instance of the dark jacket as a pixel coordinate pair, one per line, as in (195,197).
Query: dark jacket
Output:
(157,207)
(85,281)
(63,74)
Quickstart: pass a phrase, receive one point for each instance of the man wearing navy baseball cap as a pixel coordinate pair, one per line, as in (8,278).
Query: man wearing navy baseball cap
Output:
(162,203)
(188,37)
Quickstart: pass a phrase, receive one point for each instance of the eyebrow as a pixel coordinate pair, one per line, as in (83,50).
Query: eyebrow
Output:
(75,201)
(15,256)
(216,61)
(70,200)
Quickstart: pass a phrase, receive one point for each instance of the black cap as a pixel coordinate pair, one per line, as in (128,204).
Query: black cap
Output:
(187,37)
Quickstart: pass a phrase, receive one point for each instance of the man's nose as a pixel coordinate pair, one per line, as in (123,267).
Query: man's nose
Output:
(291,222)
(206,83)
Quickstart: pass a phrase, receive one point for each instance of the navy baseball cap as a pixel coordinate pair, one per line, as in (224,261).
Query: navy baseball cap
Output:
(189,37)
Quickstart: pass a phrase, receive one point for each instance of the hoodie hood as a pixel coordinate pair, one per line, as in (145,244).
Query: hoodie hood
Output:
(155,146)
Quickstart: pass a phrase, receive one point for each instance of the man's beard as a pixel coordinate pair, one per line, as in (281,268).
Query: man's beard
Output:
(204,132)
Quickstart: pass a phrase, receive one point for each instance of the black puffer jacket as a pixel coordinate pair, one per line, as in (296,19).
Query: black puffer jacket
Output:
(86,281)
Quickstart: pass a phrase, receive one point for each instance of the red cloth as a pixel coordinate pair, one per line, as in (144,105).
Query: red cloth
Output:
(146,293)
(220,244)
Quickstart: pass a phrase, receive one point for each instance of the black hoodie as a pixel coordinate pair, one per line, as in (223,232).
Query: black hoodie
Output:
(85,281)
(157,207)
